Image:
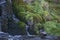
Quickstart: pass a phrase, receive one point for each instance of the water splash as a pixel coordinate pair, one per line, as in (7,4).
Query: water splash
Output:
(28,34)
(10,37)
(27,30)
(15,19)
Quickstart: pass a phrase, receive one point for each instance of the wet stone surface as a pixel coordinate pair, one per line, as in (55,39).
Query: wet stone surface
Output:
(3,36)
(33,38)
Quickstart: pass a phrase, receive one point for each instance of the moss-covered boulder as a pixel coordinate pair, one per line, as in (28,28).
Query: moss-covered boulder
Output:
(34,14)
(22,28)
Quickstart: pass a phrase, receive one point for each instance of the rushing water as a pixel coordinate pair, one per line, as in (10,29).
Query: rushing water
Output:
(27,30)
(15,19)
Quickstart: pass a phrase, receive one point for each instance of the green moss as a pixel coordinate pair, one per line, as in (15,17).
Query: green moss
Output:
(52,28)
(21,26)
(37,27)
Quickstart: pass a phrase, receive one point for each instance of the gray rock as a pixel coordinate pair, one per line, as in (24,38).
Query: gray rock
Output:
(3,36)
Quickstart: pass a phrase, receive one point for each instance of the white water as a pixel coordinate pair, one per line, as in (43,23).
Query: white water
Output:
(10,37)
(28,34)
(27,30)
(16,37)
(15,19)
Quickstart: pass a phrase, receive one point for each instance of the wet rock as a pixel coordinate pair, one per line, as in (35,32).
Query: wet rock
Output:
(3,36)
(25,37)
(43,33)
(51,37)
(18,37)
(58,37)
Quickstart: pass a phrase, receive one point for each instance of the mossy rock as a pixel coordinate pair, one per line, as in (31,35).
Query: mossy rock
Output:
(37,28)
(37,15)
(34,30)
(22,29)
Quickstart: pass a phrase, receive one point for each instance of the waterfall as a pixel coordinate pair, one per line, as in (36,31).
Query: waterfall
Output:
(15,19)
(28,34)
(27,30)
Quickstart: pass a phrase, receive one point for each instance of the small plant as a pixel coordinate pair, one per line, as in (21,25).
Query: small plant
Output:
(52,28)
